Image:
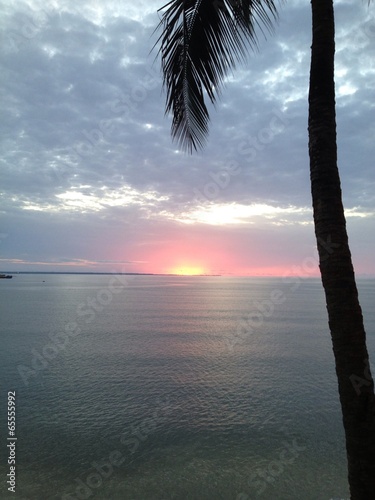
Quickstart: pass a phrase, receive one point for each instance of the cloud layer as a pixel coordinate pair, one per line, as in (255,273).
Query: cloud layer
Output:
(91,180)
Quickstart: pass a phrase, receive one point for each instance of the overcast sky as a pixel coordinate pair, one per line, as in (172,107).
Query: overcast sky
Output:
(91,181)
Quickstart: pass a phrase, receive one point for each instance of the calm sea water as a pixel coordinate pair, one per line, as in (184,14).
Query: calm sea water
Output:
(161,388)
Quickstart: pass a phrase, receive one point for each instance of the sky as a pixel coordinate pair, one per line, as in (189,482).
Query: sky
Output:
(90,179)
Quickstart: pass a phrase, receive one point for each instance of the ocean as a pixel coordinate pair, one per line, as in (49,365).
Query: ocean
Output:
(171,387)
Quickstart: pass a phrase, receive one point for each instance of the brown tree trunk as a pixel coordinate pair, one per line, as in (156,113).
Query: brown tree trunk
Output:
(356,387)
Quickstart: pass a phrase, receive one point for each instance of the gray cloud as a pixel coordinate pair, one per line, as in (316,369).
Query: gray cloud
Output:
(87,156)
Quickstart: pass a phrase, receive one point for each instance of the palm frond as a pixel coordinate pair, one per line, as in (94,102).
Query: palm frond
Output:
(201,41)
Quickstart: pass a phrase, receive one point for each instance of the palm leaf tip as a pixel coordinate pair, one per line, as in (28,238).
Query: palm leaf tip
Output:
(201,40)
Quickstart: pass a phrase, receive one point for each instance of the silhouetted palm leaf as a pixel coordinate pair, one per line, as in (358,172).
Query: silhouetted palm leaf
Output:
(201,40)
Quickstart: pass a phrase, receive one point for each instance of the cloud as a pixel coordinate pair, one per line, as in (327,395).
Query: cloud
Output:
(86,152)
(234,213)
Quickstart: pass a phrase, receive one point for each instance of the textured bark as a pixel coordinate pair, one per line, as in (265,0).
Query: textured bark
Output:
(356,387)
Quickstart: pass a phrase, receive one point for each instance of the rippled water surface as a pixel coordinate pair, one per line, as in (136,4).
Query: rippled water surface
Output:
(161,388)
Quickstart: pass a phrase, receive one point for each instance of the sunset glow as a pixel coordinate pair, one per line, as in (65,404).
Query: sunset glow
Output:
(187,270)
(107,190)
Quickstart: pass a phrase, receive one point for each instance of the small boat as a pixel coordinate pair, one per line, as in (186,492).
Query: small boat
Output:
(5,276)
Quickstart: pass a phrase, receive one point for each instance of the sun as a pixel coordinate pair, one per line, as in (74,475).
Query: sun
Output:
(187,270)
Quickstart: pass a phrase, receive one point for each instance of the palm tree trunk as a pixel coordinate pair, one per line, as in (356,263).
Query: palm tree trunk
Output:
(356,386)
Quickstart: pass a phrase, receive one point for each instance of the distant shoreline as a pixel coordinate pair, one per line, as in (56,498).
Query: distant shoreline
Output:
(106,274)
(85,273)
